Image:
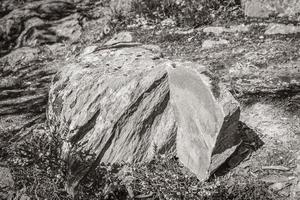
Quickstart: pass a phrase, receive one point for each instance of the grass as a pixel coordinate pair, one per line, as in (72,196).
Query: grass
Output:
(167,179)
(40,174)
(193,13)
(163,178)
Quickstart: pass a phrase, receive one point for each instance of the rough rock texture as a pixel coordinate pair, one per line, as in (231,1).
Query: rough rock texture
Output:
(38,23)
(25,77)
(264,8)
(54,21)
(121,6)
(125,103)
(5,178)
(282,78)
(122,36)
(207,44)
(273,29)
(26,69)
(6,182)
(34,35)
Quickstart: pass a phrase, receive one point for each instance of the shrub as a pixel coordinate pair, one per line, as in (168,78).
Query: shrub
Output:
(184,12)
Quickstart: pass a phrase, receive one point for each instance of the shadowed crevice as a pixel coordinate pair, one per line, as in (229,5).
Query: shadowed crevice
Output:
(250,143)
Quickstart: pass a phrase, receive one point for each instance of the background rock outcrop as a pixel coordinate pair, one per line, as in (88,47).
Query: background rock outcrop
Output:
(127,103)
(38,23)
(265,8)
(34,36)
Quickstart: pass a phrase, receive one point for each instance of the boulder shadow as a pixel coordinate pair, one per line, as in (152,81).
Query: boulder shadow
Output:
(250,143)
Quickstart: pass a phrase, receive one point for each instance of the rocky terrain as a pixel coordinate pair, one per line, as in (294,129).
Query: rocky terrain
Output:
(75,96)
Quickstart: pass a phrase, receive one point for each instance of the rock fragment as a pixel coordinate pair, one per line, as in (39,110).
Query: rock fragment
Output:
(208,44)
(283,29)
(6,183)
(6,180)
(124,37)
(275,79)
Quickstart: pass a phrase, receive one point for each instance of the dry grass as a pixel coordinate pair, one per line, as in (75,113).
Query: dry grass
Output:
(40,173)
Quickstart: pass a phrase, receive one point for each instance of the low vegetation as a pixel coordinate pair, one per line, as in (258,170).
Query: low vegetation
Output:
(41,174)
(192,13)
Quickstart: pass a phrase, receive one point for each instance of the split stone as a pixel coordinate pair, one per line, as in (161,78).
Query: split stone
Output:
(124,104)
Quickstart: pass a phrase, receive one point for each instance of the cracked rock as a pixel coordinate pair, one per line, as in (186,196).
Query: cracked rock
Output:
(125,103)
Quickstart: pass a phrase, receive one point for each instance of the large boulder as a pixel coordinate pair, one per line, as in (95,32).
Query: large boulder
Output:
(126,103)
(265,8)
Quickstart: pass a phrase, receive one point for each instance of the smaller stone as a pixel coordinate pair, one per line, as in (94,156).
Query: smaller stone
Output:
(190,39)
(6,179)
(184,32)
(239,28)
(278,186)
(273,29)
(24,197)
(208,44)
(89,49)
(297,170)
(158,32)
(272,178)
(120,37)
(284,193)
(214,30)
(147,27)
